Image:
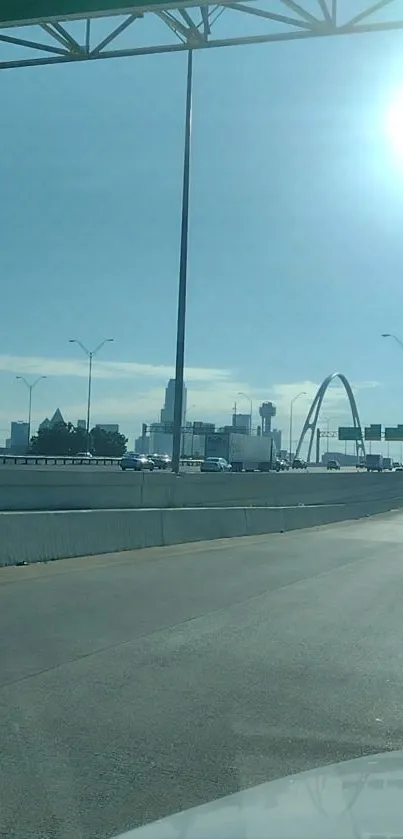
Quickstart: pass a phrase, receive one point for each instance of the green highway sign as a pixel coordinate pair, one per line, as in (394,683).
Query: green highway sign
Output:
(349,433)
(25,12)
(373,432)
(394,433)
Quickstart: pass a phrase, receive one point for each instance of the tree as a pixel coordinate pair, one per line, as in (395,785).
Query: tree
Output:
(58,440)
(64,439)
(107,443)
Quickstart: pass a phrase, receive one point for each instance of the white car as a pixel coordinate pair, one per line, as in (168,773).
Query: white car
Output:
(215,464)
(84,455)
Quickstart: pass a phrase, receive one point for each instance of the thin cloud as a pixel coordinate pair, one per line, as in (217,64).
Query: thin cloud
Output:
(364,385)
(211,394)
(214,401)
(335,398)
(44,366)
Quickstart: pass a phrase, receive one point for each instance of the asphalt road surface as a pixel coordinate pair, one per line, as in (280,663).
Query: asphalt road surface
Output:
(138,685)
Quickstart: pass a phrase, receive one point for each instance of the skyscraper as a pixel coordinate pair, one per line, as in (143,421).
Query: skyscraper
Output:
(19,437)
(167,412)
(242,423)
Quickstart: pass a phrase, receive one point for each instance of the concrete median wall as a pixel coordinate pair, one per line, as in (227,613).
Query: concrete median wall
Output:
(61,489)
(44,536)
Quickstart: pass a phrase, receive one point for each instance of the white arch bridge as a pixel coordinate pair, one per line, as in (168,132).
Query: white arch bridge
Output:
(311,421)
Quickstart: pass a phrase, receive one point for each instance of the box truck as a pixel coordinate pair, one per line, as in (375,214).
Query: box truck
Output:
(243,451)
(374,463)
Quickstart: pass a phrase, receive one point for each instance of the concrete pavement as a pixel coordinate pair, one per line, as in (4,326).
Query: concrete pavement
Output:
(136,685)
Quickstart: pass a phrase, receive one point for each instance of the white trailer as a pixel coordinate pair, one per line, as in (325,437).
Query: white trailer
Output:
(247,452)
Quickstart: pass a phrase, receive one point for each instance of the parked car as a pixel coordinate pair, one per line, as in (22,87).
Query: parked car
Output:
(138,462)
(298,463)
(84,455)
(333,464)
(161,461)
(215,464)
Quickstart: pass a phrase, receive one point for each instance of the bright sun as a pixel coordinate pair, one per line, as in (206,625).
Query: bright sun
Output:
(394,123)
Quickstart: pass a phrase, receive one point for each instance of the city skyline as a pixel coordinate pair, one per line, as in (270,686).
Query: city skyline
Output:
(333,414)
(205,404)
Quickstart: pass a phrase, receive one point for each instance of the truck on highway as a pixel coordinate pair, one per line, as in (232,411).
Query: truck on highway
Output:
(374,463)
(388,463)
(247,452)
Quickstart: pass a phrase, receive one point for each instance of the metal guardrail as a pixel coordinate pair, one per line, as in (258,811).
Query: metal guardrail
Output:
(69,460)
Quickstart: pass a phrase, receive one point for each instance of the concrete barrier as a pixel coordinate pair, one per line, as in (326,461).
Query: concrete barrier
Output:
(41,536)
(53,489)
(197,524)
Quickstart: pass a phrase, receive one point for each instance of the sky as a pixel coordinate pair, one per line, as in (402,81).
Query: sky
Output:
(295,238)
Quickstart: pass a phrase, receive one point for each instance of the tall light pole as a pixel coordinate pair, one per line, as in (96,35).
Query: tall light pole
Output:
(30,388)
(90,355)
(245,395)
(183,267)
(188,408)
(302,393)
(400,342)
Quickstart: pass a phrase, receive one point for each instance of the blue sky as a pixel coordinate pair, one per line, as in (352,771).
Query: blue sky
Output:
(296,230)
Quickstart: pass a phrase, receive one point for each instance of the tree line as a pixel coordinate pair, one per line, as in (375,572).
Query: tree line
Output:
(67,439)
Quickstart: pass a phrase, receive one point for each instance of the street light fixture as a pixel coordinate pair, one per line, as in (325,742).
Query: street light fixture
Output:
(302,393)
(30,388)
(395,338)
(90,355)
(245,395)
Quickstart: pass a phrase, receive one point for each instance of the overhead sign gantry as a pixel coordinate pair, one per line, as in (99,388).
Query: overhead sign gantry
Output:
(45,31)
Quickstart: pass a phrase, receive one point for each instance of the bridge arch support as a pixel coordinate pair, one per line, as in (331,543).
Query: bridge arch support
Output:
(311,421)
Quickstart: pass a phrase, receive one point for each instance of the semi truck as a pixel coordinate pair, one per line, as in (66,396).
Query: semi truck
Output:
(374,463)
(246,452)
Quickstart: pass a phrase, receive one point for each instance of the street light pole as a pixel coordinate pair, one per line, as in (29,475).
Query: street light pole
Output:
(181,316)
(184,438)
(30,389)
(400,342)
(240,393)
(327,421)
(302,393)
(90,355)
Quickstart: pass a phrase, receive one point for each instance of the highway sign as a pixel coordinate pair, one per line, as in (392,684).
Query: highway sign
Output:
(373,432)
(349,433)
(25,12)
(394,433)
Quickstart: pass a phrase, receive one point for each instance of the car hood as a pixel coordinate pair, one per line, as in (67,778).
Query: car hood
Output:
(352,800)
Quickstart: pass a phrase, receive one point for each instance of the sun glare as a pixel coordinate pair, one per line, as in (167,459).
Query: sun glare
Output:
(394,123)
